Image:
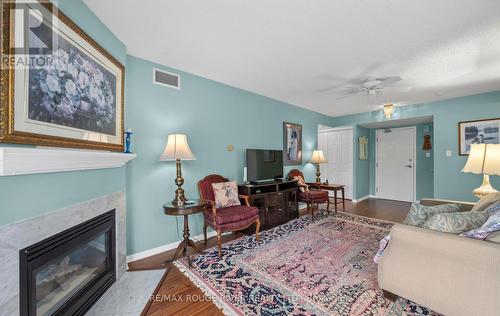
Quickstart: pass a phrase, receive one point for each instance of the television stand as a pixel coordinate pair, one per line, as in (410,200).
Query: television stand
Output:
(260,183)
(277,201)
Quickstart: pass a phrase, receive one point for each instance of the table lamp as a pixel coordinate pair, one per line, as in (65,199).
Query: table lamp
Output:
(484,159)
(317,158)
(177,149)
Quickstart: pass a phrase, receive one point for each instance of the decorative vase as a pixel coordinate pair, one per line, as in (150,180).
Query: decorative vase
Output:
(128,134)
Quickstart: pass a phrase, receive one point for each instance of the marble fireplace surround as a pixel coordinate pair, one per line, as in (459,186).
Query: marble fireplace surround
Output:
(19,235)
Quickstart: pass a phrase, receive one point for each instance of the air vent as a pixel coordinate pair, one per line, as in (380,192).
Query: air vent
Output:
(166,78)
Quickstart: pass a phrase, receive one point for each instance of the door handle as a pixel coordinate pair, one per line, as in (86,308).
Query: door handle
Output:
(409,166)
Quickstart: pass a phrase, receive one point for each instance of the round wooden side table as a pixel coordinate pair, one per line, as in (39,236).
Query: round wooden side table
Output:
(191,207)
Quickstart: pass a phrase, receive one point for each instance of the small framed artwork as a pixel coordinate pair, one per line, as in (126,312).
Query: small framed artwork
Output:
(67,93)
(477,132)
(292,144)
(363,148)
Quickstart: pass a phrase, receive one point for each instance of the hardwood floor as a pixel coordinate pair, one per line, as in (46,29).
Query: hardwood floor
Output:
(177,295)
(393,211)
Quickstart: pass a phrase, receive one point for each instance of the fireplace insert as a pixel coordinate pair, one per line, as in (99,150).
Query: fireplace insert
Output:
(66,273)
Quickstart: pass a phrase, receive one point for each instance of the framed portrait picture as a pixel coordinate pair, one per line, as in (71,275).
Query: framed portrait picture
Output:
(477,132)
(292,144)
(60,88)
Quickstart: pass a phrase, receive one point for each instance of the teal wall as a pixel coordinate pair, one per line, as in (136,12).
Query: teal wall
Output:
(424,165)
(27,196)
(213,116)
(449,182)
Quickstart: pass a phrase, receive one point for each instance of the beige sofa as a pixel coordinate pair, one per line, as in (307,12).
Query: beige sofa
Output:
(447,273)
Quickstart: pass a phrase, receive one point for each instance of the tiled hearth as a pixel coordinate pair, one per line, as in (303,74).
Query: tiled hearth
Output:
(28,232)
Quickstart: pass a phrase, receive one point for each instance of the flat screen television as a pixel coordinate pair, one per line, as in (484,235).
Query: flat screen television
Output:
(264,164)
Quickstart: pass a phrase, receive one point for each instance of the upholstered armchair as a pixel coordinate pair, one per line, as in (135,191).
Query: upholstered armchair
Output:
(227,219)
(308,193)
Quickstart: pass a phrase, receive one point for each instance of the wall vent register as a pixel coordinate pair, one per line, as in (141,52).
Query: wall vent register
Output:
(166,78)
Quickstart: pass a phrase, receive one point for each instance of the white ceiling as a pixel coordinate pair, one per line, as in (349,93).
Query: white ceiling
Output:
(291,50)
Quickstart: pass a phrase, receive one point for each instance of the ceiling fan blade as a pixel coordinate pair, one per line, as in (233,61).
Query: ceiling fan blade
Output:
(349,94)
(373,68)
(346,96)
(389,80)
(397,89)
(326,89)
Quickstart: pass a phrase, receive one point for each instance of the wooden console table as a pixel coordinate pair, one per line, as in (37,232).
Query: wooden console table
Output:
(277,201)
(331,187)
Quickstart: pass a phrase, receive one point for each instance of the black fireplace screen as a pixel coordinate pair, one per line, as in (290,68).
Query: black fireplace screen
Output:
(65,274)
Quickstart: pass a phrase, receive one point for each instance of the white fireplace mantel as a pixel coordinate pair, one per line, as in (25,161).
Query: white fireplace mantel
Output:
(22,160)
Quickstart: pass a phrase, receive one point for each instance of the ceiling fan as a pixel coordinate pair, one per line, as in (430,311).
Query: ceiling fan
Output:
(372,87)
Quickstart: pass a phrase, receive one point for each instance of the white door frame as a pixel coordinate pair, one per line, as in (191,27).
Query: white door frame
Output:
(414,152)
(339,128)
(353,173)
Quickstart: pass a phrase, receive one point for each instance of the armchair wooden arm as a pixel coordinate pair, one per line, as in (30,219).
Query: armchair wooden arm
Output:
(246,198)
(314,185)
(211,204)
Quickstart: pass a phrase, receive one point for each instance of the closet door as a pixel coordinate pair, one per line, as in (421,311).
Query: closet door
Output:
(323,145)
(340,159)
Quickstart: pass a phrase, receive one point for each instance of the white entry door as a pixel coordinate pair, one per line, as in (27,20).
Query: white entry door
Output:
(337,145)
(395,164)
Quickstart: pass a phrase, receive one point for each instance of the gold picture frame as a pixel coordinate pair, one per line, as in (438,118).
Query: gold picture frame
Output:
(84,44)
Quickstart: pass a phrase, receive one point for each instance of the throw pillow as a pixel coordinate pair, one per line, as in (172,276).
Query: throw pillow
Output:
(493,209)
(491,225)
(226,194)
(486,202)
(455,223)
(303,187)
(419,214)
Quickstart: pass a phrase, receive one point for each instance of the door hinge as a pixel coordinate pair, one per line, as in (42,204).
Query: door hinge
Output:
(376,164)
(377,190)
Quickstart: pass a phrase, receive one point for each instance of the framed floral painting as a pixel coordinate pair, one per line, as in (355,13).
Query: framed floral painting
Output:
(58,86)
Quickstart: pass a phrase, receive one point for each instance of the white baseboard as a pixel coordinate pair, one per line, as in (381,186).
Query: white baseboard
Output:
(366,197)
(361,199)
(167,247)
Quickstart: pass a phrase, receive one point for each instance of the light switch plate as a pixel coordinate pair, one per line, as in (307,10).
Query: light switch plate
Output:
(448,153)
(428,154)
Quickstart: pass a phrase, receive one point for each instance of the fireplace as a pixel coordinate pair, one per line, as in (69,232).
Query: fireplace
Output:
(66,273)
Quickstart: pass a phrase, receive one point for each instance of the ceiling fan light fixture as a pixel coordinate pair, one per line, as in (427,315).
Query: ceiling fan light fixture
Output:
(388,110)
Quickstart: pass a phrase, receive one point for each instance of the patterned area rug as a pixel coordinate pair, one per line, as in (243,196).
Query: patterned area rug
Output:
(319,265)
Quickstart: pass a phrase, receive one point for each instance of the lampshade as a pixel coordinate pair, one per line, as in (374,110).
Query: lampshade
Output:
(177,148)
(318,157)
(483,159)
